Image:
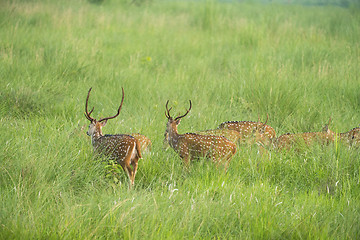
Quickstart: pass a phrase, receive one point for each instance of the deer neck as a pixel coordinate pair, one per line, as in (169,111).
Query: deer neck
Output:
(97,134)
(173,137)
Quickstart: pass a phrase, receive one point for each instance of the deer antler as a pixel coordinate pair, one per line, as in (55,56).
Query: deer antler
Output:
(267,118)
(167,112)
(187,111)
(87,114)
(118,112)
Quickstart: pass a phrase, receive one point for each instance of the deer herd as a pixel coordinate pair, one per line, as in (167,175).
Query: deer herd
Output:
(218,145)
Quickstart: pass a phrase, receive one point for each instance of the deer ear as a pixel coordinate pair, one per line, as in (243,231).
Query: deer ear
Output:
(178,121)
(103,123)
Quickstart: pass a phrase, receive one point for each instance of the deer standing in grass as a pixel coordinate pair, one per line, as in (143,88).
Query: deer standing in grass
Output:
(193,146)
(251,131)
(123,148)
(290,140)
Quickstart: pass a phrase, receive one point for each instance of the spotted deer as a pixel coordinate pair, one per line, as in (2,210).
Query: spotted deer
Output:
(351,137)
(192,146)
(123,148)
(251,131)
(290,140)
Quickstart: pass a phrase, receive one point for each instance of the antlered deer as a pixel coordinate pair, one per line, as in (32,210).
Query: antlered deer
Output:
(289,140)
(192,146)
(251,131)
(123,148)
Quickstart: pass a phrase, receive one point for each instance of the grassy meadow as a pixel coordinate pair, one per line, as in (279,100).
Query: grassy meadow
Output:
(235,61)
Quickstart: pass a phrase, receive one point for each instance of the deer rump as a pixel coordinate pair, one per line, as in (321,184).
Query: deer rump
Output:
(210,147)
(118,146)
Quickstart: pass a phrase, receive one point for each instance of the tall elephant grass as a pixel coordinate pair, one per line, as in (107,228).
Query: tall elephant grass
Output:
(235,61)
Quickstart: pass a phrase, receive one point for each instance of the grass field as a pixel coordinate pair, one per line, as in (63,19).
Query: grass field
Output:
(235,61)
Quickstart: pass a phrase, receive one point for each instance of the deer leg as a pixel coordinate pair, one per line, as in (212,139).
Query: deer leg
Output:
(186,161)
(134,158)
(131,176)
(135,166)
(124,164)
(126,170)
(228,157)
(184,154)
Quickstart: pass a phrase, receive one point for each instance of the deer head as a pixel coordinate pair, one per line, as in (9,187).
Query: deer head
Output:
(326,129)
(96,125)
(171,126)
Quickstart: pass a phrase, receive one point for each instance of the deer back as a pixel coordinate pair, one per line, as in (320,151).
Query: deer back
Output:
(232,135)
(117,146)
(250,131)
(217,148)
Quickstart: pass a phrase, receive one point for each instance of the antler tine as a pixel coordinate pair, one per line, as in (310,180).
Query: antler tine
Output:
(187,111)
(118,112)
(167,112)
(87,114)
(91,110)
(267,118)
